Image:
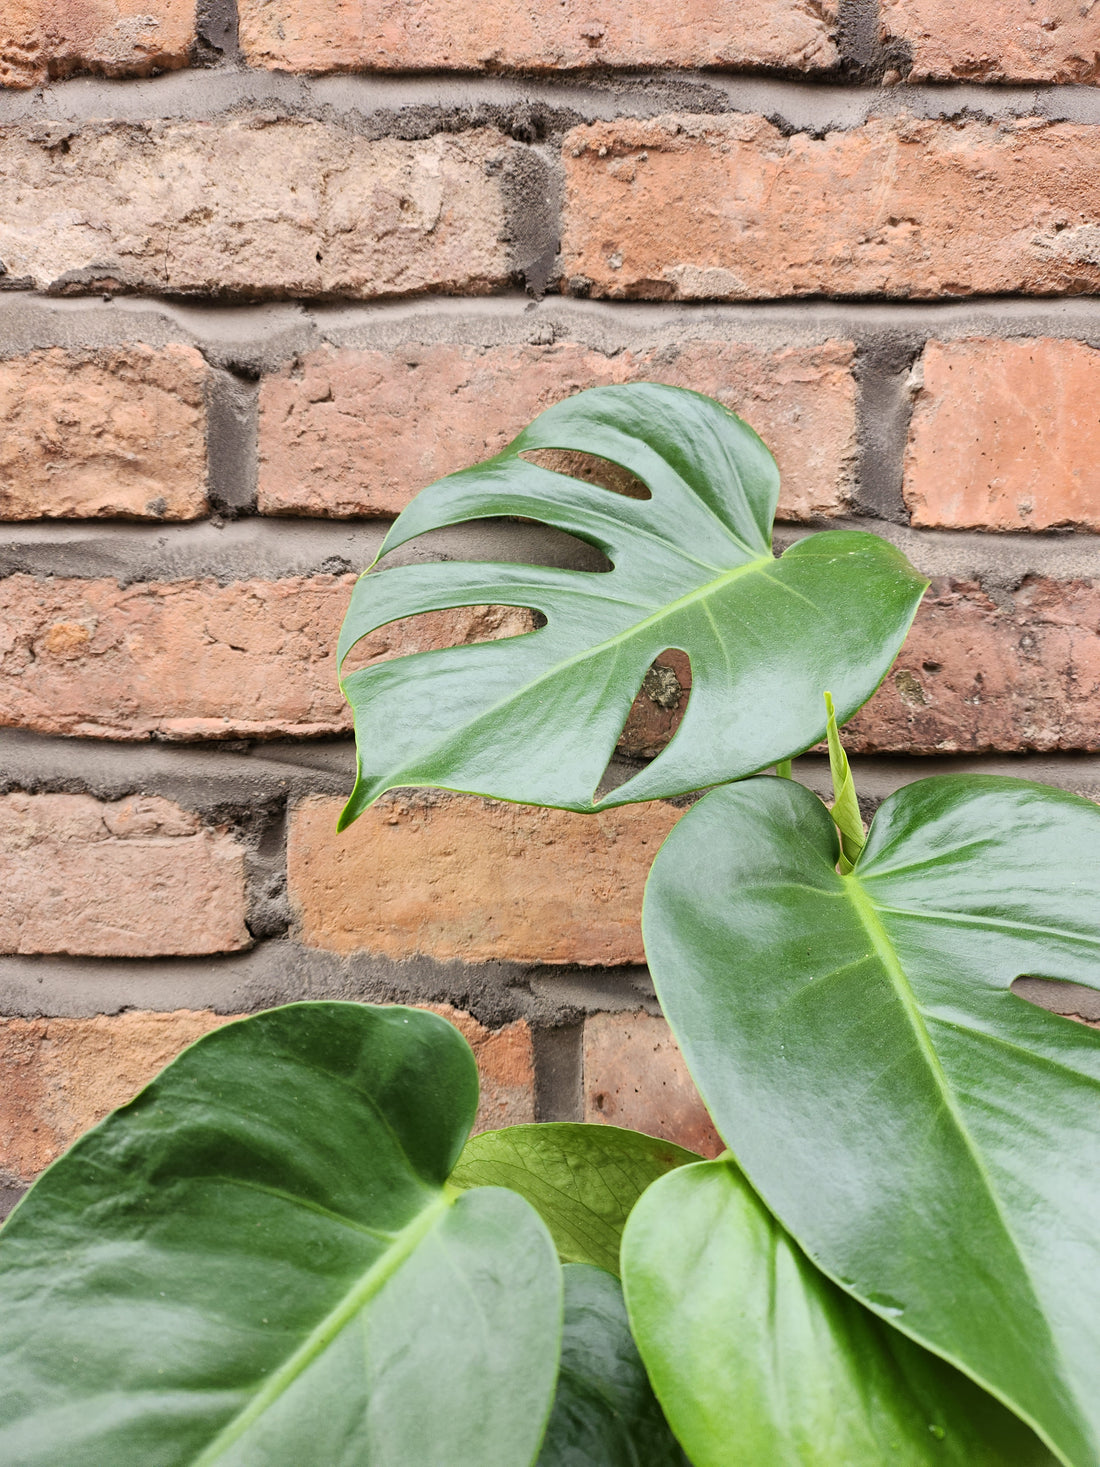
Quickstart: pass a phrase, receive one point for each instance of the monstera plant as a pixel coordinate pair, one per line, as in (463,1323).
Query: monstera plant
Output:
(286,1251)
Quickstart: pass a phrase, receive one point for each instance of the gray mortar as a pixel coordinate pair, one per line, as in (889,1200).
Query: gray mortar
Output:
(532,187)
(526,108)
(281,971)
(217,38)
(231,443)
(9,1196)
(559,1073)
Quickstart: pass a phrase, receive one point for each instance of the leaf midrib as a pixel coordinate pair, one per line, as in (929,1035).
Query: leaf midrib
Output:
(867,914)
(360,1294)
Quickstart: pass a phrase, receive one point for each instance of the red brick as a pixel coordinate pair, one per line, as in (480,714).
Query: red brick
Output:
(997,40)
(195,660)
(253,206)
(635,1076)
(693,207)
(44,39)
(506,1064)
(455,877)
(139,878)
(977,674)
(114,432)
(58,1077)
(346,432)
(546,35)
(1006,436)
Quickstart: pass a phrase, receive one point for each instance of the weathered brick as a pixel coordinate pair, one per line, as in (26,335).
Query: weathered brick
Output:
(635,1076)
(546,35)
(114,432)
(986,670)
(137,878)
(506,1065)
(455,877)
(195,660)
(252,206)
(1005,435)
(58,1077)
(997,40)
(727,207)
(345,432)
(42,39)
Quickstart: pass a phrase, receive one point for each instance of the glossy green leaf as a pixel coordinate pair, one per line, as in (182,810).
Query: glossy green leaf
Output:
(605,1413)
(930,1139)
(536,718)
(845,811)
(582,1179)
(758,1358)
(259,1261)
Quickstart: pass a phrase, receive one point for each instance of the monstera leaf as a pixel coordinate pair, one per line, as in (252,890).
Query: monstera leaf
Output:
(758,1358)
(929,1138)
(605,1413)
(582,1179)
(535,718)
(259,1261)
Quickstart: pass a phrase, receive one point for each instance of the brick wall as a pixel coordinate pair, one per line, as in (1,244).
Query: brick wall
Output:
(266,269)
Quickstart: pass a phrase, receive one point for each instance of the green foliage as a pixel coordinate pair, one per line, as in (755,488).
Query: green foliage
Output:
(259,1261)
(930,1139)
(583,1180)
(287,1251)
(757,1357)
(536,718)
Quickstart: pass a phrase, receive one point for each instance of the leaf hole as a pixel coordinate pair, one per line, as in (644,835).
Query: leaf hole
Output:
(1058,996)
(591,468)
(655,715)
(429,631)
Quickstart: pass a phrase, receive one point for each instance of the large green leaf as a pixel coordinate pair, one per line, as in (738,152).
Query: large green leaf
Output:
(930,1139)
(259,1261)
(605,1413)
(758,1358)
(536,718)
(582,1179)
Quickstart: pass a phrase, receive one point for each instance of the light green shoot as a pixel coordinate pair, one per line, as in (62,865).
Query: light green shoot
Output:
(845,811)
(783,769)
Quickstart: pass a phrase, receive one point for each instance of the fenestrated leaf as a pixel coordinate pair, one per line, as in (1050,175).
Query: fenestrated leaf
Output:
(605,1413)
(259,1261)
(582,1179)
(535,718)
(930,1139)
(758,1358)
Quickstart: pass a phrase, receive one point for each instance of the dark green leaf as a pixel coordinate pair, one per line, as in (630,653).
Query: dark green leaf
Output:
(605,1413)
(535,718)
(582,1179)
(930,1139)
(758,1359)
(259,1261)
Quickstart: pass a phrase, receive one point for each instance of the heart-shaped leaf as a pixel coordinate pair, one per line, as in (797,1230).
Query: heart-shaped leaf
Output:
(259,1261)
(582,1179)
(758,1358)
(605,1413)
(535,718)
(930,1139)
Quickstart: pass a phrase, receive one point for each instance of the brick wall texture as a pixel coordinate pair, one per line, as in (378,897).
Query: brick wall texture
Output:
(249,309)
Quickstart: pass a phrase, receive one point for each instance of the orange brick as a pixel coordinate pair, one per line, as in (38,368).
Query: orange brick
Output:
(506,1064)
(691,207)
(58,1077)
(253,205)
(635,1076)
(346,432)
(976,674)
(114,432)
(137,878)
(455,877)
(195,660)
(997,40)
(1006,436)
(44,39)
(546,35)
